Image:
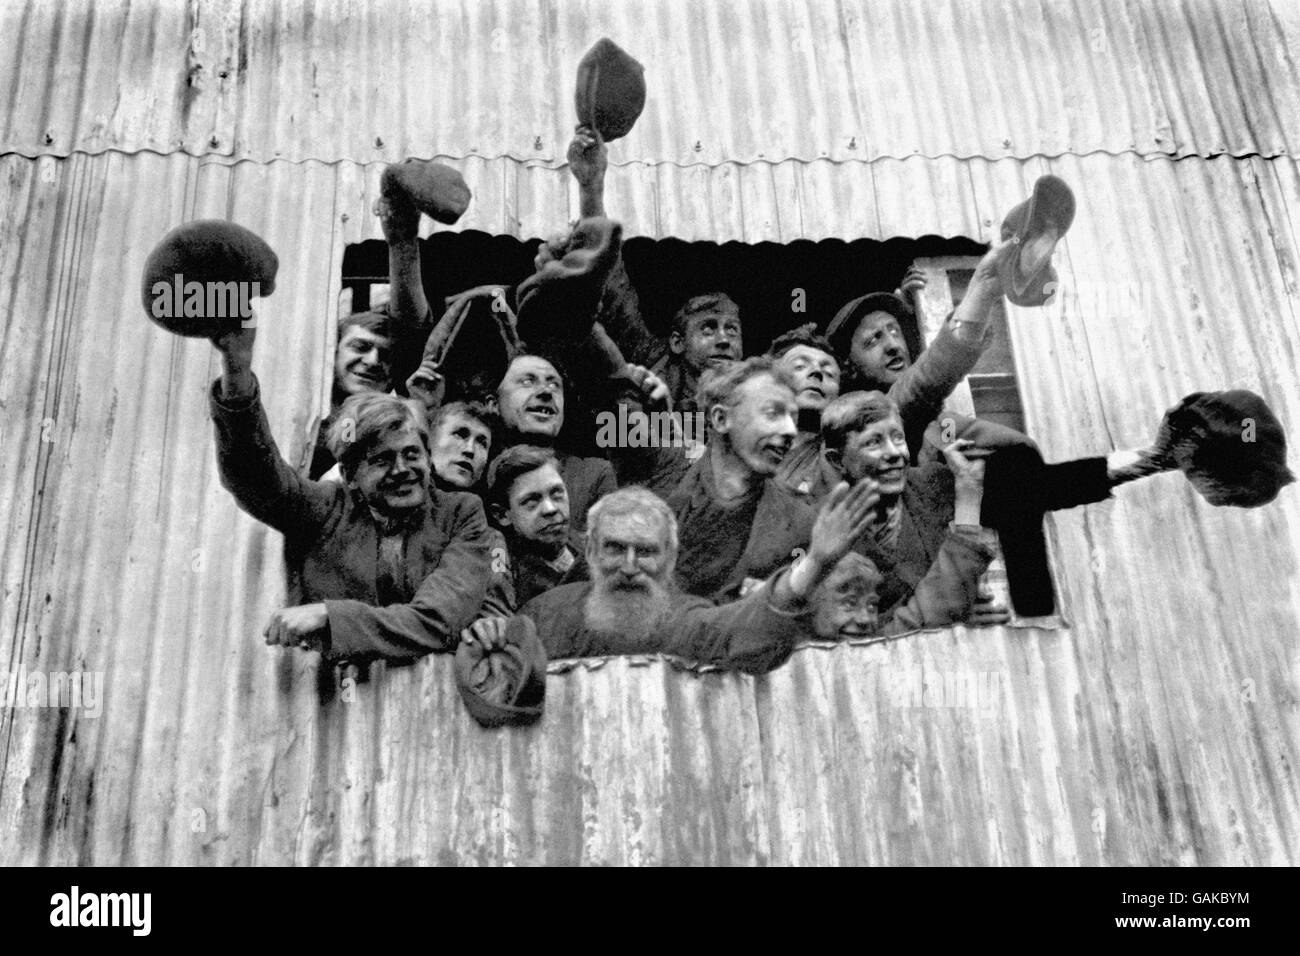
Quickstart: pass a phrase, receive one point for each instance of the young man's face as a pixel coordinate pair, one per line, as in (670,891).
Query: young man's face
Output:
(845,605)
(392,477)
(531,397)
(362,362)
(460,449)
(878,350)
(816,375)
(538,508)
(879,451)
(711,339)
(760,426)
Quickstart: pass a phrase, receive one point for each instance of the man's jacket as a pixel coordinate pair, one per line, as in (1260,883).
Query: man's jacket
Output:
(332,546)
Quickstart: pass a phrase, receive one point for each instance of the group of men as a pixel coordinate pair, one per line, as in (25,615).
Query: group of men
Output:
(831,496)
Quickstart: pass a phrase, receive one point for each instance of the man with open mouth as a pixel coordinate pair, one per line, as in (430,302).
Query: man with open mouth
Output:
(530,402)
(735,520)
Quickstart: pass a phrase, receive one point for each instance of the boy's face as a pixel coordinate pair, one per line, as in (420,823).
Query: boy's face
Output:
(539,507)
(711,339)
(362,362)
(460,449)
(845,605)
(879,451)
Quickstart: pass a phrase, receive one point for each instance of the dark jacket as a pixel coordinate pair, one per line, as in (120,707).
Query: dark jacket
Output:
(587,480)
(750,635)
(332,546)
(720,547)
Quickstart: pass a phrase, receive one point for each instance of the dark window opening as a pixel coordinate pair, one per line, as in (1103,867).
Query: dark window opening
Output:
(762,278)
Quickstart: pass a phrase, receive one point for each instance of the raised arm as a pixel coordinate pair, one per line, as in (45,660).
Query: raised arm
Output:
(408,309)
(923,388)
(620,308)
(250,464)
(947,592)
(759,632)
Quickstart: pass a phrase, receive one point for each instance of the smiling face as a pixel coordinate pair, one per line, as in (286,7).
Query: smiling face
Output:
(879,451)
(816,376)
(538,508)
(845,605)
(362,362)
(530,397)
(460,449)
(878,351)
(392,476)
(759,426)
(711,339)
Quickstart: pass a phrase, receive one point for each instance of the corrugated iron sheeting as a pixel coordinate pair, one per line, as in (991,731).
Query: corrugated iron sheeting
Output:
(730,81)
(1161,728)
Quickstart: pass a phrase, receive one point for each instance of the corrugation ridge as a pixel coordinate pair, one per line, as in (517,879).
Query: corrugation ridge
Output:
(392,69)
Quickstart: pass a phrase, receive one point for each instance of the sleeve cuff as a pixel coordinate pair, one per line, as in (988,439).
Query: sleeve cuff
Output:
(979,539)
(234,406)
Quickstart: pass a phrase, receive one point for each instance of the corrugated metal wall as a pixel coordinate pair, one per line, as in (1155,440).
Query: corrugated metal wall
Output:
(1161,727)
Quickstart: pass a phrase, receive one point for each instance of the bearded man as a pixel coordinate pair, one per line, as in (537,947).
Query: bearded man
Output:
(632,605)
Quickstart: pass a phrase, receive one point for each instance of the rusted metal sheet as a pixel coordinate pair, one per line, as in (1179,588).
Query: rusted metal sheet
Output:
(1160,728)
(731,81)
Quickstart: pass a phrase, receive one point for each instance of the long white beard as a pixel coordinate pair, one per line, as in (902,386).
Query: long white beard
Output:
(626,615)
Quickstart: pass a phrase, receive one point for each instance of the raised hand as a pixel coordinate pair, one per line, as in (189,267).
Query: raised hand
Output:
(587,156)
(428,386)
(913,282)
(842,520)
(653,388)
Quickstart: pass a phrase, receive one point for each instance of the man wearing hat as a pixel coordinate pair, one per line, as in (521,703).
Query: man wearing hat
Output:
(870,337)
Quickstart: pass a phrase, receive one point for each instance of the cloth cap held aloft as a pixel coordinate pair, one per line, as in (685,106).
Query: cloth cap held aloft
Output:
(610,92)
(560,300)
(1230,446)
(1036,225)
(435,189)
(231,265)
(506,686)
